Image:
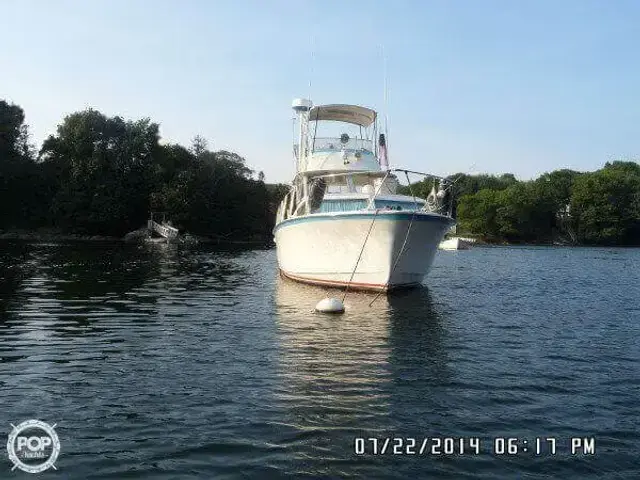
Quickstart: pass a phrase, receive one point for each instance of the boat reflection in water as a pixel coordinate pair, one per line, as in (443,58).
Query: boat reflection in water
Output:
(363,372)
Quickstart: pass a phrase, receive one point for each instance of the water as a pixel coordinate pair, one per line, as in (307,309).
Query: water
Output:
(157,363)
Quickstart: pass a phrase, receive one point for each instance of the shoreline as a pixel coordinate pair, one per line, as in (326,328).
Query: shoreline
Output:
(64,237)
(35,236)
(40,237)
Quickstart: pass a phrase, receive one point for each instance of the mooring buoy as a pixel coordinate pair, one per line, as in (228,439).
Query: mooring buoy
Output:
(330,305)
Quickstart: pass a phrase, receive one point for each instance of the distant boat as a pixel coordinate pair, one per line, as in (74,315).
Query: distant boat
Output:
(342,223)
(456,243)
(453,242)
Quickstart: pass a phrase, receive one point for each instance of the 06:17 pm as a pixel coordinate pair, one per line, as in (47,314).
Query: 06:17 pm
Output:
(546,446)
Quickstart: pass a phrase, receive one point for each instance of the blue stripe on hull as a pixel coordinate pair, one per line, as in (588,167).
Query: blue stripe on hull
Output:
(418,217)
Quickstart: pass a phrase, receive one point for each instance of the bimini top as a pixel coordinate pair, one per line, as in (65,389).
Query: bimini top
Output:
(362,116)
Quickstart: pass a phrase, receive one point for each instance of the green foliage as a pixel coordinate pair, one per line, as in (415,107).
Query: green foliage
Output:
(212,194)
(14,136)
(604,208)
(462,184)
(104,168)
(478,213)
(523,212)
(606,205)
(601,207)
(103,175)
(527,213)
(21,182)
(558,185)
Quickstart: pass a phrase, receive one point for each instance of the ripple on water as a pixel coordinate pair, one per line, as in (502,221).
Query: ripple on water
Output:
(204,363)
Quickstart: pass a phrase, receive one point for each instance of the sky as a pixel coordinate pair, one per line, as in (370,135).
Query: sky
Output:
(472,86)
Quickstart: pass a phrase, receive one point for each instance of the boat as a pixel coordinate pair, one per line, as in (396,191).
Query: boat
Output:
(456,243)
(343,222)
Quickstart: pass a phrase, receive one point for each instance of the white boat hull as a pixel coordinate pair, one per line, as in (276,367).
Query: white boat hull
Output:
(323,248)
(455,243)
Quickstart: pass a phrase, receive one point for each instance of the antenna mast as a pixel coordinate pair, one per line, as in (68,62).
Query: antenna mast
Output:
(311,66)
(386,97)
(382,141)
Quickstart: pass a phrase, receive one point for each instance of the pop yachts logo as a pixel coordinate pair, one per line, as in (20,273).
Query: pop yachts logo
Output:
(33,446)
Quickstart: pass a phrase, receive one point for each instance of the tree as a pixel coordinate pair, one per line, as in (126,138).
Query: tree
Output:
(233,162)
(500,207)
(14,135)
(105,168)
(211,193)
(199,146)
(102,175)
(23,195)
(478,213)
(461,185)
(605,205)
(527,213)
(558,185)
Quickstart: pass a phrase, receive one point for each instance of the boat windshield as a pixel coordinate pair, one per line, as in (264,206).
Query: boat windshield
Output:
(353,204)
(358,179)
(360,183)
(332,144)
(334,136)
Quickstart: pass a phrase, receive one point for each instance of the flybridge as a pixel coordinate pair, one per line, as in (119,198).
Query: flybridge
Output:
(354,114)
(354,149)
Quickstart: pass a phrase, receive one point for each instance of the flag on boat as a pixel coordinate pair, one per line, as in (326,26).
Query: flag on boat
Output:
(384,162)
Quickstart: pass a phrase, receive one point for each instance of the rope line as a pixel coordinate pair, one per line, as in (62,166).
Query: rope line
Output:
(404,244)
(360,256)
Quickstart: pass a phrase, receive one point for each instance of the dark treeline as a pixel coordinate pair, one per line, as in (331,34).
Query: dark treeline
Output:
(102,175)
(593,208)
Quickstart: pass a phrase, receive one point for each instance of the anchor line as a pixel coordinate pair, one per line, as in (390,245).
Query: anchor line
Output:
(371,202)
(360,256)
(404,244)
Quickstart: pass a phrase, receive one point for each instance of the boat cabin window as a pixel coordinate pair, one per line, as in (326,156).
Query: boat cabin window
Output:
(330,136)
(342,205)
(397,205)
(332,144)
(349,205)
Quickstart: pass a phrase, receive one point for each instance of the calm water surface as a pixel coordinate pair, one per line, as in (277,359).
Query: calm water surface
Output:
(162,363)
